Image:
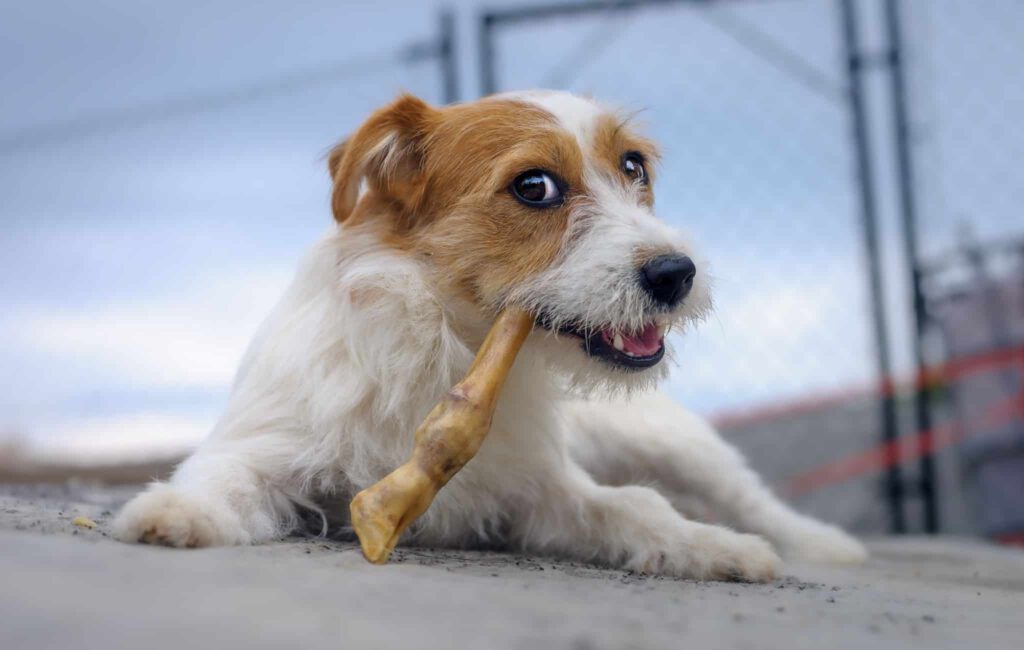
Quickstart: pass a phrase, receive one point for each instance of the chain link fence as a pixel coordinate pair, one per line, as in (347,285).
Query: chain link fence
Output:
(966,89)
(750,100)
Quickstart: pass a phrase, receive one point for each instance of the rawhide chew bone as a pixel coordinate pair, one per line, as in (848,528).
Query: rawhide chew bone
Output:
(448,438)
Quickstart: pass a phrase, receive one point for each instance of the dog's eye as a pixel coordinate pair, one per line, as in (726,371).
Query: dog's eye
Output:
(536,189)
(633,166)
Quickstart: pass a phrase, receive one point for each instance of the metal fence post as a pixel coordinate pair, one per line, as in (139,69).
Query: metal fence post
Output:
(488,75)
(908,214)
(869,224)
(447,58)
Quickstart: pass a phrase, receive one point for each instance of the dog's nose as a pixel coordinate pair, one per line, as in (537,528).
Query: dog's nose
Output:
(668,278)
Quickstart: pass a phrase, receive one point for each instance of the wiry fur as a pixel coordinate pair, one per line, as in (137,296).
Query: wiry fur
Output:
(378,324)
(594,284)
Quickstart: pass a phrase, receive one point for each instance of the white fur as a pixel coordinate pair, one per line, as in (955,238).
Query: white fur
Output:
(364,343)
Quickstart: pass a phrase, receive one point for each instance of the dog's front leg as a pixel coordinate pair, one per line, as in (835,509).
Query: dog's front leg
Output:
(636,528)
(652,440)
(219,496)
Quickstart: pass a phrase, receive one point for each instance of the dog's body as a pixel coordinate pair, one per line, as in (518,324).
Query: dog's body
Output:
(384,316)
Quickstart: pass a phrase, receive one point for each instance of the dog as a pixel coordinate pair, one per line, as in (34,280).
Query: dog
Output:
(444,216)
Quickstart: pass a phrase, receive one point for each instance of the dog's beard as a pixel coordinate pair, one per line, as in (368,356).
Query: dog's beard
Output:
(585,376)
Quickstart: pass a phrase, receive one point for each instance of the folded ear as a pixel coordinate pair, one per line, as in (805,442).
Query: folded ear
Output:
(387,152)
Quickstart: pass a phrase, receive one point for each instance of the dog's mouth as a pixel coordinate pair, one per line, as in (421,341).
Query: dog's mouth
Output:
(636,350)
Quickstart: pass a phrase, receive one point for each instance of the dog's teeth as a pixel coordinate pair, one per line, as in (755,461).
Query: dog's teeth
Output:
(662,330)
(617,342)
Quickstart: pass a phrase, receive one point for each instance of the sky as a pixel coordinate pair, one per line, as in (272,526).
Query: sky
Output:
(137,259)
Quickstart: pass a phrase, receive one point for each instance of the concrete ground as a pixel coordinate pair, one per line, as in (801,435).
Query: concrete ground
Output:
(67,586)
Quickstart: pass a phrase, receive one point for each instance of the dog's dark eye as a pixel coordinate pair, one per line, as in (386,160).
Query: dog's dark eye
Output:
(536,189)
(633,166)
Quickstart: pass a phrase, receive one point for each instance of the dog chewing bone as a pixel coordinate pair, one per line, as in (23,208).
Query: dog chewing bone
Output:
(448,438)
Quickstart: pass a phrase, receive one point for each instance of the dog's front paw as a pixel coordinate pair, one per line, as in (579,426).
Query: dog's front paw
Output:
(824,544)
(165,517)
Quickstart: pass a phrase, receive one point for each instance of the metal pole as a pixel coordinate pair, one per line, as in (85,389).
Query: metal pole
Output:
(449,63)
(488,75)
(869,224)
(908,214)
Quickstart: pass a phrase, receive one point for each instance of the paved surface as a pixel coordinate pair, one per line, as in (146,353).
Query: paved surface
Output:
(66,586)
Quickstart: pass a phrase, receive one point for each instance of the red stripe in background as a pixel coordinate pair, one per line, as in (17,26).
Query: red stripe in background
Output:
(902,450)
(905,449)
(927,378)
(1011,539)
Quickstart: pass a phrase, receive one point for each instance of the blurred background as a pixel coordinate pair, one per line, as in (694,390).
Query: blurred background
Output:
(852,168)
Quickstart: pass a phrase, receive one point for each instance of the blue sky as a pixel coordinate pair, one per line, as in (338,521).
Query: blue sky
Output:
(137,262)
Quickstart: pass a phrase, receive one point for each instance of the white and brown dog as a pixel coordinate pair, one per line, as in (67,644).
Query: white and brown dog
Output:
(445,216)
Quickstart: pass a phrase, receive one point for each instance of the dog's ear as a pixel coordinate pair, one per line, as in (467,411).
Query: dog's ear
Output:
(386,151)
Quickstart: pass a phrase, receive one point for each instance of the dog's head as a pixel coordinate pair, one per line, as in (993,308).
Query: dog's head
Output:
(542,200)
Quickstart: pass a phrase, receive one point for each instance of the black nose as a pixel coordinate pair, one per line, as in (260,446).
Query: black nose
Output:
(668,278)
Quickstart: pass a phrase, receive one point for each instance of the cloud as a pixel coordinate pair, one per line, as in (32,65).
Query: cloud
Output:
(190,338)
(194,337)
(771,341)
(120,438)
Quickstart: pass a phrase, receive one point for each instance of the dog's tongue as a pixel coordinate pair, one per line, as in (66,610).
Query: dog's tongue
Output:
(643,343)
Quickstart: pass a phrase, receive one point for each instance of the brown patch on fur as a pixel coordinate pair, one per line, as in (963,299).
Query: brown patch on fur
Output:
(612,140)
(488,241)
(386,152)
(438,186)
